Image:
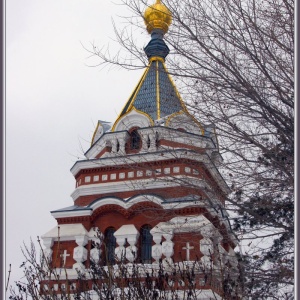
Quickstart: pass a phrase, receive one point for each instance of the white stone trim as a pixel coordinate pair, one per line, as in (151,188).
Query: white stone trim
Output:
(71,274)
(130,234)
(105,140)
(150,157)
(142,198)
(126,205)
(169,134)
(72,213)
(186,224)
(65,232)
(132,201)
(137,184)
(132,119)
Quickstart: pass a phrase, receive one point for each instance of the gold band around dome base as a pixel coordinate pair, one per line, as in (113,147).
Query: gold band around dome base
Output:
(156,58)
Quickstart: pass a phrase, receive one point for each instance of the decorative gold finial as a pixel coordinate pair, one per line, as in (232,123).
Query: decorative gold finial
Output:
(157,16)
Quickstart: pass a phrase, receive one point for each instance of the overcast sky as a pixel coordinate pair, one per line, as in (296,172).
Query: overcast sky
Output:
(53,102)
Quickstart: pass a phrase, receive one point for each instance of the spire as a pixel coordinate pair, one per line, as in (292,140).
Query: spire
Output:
(155,95)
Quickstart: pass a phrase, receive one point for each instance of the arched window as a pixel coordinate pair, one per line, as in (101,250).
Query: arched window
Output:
(135,139)
(110,245)
(146,244)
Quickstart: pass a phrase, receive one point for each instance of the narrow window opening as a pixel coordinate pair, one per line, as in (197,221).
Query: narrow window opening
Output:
(110,245)
(135,139)
(156,139)
(146,244)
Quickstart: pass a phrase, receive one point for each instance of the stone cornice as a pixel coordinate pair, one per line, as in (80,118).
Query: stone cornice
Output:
(129,185)
(181,154)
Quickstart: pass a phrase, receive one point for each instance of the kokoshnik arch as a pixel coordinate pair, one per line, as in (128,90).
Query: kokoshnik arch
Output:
(149,184)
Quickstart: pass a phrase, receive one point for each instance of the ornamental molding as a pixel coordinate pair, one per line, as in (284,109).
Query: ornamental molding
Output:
(186,224)
(129,185)
(184,121)
(126,204)
(131,119)
(104,141)
(181,154)
(192,139)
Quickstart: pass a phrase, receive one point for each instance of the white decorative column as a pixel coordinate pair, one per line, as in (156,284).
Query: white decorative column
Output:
(48,242)
(157,248)
(79,252)
(144,137)
(131,250)
(232,258)
(95,255)
(223,256)
(209,232)
(168,247)
(122,143)
(234,273)
(120,250)
(114,142)
(130,234)
(206,246)
(152,137)
(96,237)
(207,249)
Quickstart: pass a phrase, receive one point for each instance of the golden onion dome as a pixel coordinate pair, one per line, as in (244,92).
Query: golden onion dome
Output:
(157,16)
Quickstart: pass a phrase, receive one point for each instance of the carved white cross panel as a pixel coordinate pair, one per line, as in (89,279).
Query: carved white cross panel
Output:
(64,256)
(188,248)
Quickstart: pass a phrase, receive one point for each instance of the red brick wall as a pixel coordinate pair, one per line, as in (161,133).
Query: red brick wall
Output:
(58,250)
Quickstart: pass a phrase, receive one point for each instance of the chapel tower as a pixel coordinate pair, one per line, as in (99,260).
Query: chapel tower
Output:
(149,184)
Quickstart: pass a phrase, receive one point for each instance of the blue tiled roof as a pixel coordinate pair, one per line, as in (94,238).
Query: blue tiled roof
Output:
(155,94)
(145,99)
(169,100)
